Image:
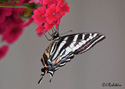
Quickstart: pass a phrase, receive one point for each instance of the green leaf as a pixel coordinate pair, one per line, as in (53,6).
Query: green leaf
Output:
(26,14)
(30,5)
(9,1)
(25,17)
(17,1)
(3,1)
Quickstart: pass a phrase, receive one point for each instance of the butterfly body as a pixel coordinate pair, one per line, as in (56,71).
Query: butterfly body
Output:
(62,49)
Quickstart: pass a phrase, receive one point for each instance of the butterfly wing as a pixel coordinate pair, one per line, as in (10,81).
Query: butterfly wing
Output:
(84,41)
(74,44)
(62,51)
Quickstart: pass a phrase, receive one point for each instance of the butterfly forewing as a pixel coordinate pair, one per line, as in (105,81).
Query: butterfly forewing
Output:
(88,41)
(75,44)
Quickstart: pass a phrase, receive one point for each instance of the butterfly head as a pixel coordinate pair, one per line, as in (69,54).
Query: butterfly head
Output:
(55,35)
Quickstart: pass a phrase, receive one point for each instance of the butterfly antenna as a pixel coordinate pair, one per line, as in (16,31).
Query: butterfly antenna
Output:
(46,37)
(58,29)
(53,31)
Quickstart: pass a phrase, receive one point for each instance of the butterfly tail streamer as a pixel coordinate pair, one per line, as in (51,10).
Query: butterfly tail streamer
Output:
(50,78)
(51,73)
(39,82)
(42,75)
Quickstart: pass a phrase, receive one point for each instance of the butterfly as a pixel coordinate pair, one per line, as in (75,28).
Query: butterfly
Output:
(62,49)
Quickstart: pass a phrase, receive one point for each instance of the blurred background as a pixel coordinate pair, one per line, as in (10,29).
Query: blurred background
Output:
(104,63)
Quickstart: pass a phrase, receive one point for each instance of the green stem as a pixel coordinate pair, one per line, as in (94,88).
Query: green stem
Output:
(12,6)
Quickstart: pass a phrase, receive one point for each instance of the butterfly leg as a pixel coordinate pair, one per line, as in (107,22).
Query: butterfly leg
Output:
(46,37)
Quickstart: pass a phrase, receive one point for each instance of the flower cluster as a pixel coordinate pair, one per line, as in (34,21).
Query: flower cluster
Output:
(46,13)
(49,14)
(11,26)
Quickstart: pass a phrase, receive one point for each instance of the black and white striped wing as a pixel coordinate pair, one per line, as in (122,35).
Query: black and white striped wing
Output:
(62,51)
(73,44)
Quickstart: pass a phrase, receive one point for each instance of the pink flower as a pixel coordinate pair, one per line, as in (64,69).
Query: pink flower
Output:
(13,32)
(48,26)
(62,7)
(36,1)
(41,1)
(4,12)
(2,28)
(48,2)
(12,25)
(51,14)
(3,51)
(56,23)
(40,29)
(14,17)
(39,15)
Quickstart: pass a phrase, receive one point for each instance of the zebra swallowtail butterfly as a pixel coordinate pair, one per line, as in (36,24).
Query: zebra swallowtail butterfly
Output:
(62,49)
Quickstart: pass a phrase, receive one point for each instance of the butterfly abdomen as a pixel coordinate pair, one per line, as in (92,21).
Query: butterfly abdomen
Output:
(46,55)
